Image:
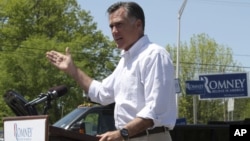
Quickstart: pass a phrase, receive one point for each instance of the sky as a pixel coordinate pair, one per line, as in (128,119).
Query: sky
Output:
(225,21)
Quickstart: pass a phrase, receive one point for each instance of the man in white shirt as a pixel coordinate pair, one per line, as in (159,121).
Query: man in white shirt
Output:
(142,85)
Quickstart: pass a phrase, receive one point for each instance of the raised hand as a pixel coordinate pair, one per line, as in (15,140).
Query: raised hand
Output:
(62,61)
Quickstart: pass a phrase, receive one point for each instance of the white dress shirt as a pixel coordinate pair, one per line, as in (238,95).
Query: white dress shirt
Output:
(142,85)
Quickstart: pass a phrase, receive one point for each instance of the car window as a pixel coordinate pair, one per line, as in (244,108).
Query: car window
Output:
(87,123)
(66,120)
(106,121)
(95,122)
(91,123)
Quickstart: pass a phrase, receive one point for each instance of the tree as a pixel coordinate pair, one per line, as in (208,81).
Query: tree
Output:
(29,28)
(202,56)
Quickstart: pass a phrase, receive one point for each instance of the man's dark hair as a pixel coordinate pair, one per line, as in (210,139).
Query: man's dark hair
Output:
(133,10)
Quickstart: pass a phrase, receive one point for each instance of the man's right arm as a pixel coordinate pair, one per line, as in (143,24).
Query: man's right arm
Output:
(65,63)
(81,78)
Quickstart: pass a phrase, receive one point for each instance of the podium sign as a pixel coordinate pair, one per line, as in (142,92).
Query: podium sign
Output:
(26,128)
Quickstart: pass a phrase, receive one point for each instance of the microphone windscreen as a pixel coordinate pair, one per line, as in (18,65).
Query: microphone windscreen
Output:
(60,90)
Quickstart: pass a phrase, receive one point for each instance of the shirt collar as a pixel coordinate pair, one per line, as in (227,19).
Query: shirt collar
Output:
(139,44)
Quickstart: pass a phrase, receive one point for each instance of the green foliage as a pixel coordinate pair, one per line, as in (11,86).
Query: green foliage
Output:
(203,55)
(30,28)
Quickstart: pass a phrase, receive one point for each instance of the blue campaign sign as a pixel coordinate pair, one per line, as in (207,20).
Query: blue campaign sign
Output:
(194,87)
(225,85)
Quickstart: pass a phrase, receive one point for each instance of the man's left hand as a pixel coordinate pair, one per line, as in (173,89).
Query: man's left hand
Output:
(111,136)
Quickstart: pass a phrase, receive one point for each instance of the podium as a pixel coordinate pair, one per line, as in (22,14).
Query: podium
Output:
(59,134)
(36,128)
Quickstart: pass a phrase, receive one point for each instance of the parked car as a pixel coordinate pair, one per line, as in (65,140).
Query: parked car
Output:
(90,120)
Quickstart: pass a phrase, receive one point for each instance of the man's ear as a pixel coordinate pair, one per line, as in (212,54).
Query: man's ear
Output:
(138,23)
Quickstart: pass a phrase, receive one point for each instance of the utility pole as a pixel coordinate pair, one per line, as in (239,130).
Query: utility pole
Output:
(178,50)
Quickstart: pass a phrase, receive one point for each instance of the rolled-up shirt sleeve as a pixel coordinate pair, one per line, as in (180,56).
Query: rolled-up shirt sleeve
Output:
(101,92)
(159,87)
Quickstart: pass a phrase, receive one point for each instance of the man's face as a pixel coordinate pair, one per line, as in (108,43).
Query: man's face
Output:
(126,31)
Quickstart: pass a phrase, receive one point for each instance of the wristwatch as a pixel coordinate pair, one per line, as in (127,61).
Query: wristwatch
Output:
(124,133)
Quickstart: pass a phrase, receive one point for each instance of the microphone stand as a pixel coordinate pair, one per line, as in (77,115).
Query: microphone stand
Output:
(33,102)
(37,100)
(48,104)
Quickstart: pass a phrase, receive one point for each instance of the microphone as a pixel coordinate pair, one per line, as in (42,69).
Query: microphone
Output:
(53,93)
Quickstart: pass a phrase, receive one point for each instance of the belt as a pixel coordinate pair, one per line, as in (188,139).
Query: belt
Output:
(151,131)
